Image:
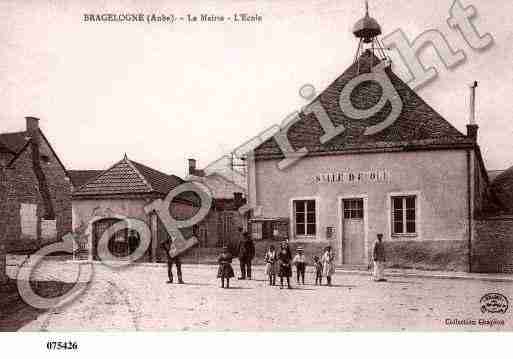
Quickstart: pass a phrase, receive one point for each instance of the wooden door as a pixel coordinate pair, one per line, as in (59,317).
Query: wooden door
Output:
(353,231)
(118,243)
(224,228)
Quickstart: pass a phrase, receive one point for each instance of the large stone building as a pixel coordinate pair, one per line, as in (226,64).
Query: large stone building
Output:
(103,198)
(35,190)
(417,180)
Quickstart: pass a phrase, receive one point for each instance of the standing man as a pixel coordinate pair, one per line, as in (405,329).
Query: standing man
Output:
(251,253)
(246,255)
(236,250)
(378,255)
(170,260)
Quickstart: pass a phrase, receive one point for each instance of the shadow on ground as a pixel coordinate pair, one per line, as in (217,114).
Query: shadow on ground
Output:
(15,313)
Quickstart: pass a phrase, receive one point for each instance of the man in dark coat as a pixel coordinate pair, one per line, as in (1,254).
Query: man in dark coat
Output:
(378,255)
(176,260)
(246,255)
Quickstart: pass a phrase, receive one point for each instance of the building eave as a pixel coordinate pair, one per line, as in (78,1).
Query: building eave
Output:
(127,195)
(366,150)
(53,152)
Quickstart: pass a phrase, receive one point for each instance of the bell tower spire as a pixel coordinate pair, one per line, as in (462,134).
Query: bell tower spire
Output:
(367,30)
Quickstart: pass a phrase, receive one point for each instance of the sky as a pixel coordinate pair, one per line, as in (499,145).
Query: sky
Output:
(163,93)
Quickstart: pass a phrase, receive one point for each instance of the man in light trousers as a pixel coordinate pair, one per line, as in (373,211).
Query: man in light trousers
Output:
(378,255)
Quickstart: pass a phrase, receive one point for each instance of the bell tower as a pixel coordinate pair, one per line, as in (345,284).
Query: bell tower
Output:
(367,30)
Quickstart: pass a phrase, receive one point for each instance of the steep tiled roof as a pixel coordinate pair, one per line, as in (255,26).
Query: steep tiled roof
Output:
(417,124)
(158,181)
(14,140)
(6,154)
(5,149)
(81,177)
(493,174)
(128,177)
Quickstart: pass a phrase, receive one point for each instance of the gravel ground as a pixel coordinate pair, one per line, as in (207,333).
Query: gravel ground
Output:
(138,298)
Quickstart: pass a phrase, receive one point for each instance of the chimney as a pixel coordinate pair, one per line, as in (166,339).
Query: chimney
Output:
(32,124)
(472,127)
(192,166)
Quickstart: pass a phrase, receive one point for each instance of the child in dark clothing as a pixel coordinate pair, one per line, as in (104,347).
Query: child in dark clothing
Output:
(225,270)
(284,261)
(318,270)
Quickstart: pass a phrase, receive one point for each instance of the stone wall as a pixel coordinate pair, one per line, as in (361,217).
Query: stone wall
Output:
(59,188)
(20,236)
(429,255)
(492,249)
(444,255)
(27,193)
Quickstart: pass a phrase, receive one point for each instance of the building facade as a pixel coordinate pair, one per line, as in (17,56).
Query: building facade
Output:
(418,181)
(36,191)
(104,198)
(220,226)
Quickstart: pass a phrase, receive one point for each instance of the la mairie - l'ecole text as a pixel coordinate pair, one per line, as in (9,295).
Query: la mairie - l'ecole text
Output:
(241,17)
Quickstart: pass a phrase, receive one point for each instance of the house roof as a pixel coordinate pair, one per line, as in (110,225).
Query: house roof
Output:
(17,141)
(81,177)
(218,180)
(492,175)
(127,177)
(158,181)
(5,149)
(14,141)
(417,125)
(223,168)
(11,144)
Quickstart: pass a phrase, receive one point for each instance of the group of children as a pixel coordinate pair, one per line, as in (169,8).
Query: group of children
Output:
(279,263)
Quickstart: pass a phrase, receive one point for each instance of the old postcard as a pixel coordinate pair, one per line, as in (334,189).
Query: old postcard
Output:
(223,165)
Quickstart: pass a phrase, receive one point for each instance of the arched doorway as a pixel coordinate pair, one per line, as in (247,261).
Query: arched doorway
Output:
(121,244)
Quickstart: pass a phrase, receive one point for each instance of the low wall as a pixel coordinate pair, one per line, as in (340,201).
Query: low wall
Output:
(447,255)
(444,255)
(492,249)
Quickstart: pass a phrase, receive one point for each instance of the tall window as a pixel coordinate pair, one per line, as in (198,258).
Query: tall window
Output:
(305,218)
(404,215)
